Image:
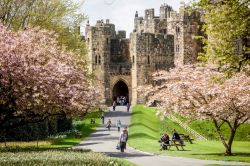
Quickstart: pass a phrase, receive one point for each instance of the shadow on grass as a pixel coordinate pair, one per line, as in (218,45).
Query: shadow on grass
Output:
(126,155)
(86,144)
(140,124)
(65,143)
(222,154)
(141,135)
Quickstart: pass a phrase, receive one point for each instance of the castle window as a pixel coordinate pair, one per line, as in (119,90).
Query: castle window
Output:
(177,48)
(99,59)
(88,40)
(133,59)
(96,59)
(148,59)
(163,31)
(178,30)
(107,41)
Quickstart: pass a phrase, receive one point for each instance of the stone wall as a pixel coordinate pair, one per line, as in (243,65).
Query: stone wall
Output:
(157,42)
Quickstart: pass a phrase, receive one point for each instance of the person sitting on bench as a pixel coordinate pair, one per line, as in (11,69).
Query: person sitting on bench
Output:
(164,140)
(176,135)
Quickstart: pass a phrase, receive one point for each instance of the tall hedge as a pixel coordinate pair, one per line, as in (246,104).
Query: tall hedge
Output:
(34,131)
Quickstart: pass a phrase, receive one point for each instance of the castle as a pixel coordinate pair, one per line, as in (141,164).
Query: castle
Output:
(157,42)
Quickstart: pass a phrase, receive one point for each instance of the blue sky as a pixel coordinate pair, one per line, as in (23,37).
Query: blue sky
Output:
(122,12)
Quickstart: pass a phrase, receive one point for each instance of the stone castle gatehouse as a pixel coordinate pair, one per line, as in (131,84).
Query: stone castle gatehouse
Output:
(121,64)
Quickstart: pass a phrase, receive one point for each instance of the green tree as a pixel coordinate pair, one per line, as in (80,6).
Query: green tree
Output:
(59,16)
(226,25)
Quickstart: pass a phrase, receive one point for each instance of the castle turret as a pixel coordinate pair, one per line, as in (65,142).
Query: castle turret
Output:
(149,14)
(165,11)
(136,14)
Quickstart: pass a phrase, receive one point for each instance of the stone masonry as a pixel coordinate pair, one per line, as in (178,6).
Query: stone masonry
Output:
(157,42)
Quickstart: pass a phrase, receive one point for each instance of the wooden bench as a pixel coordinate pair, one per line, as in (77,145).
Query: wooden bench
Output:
(77,134)
(176,143)
(92,121)
(186,137)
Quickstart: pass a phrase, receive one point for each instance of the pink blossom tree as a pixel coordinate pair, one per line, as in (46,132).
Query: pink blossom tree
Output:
(203,93)
(39,79)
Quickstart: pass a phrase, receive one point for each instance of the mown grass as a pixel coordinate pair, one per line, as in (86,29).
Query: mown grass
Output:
(150,127)
(59,157)
(58,152)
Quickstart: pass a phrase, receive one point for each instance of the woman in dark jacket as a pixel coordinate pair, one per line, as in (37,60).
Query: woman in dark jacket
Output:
(176,136)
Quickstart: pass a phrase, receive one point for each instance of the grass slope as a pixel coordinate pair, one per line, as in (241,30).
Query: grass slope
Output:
(146,128)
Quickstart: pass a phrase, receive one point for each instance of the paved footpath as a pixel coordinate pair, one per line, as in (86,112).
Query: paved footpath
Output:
(105,141)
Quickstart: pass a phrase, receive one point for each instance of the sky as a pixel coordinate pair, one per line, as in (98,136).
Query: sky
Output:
(122,12)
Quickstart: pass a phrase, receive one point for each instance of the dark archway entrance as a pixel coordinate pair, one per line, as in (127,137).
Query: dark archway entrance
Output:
(120,89)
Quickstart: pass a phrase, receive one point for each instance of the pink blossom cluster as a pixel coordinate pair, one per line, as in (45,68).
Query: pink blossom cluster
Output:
(39,78)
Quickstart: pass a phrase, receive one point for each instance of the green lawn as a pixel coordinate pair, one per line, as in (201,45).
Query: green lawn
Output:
(150,127)
(86,129)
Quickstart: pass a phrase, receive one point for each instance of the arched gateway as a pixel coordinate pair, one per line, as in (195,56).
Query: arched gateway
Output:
(120,89)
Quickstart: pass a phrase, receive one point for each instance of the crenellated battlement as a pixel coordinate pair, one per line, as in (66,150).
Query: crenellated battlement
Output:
(105,29)
(151,23)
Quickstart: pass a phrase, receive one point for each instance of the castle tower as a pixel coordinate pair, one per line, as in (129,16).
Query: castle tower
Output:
(98,38)
(157,42)
(150,52)
(111,64)
(184,26)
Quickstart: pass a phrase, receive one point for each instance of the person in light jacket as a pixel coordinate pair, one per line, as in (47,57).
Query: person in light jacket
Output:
(123,138)
(119,125)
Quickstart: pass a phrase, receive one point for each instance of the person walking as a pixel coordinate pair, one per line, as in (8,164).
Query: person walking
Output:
(119,125)
(126,132)
(128,106)
(102,118)
(108,124)
(123,138)
(114,105)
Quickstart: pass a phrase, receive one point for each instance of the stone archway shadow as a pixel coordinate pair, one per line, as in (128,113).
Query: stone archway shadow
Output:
(120,89)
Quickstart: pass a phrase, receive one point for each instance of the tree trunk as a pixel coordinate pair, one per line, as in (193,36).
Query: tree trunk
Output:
(230,141)
(227,146)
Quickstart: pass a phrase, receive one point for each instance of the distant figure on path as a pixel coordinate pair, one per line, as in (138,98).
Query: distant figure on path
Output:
(119,125)
(114,105)
(128,106)
(109,124)
(102,118)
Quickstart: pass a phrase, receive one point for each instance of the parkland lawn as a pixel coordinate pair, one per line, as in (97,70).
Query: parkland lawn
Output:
(151,128)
